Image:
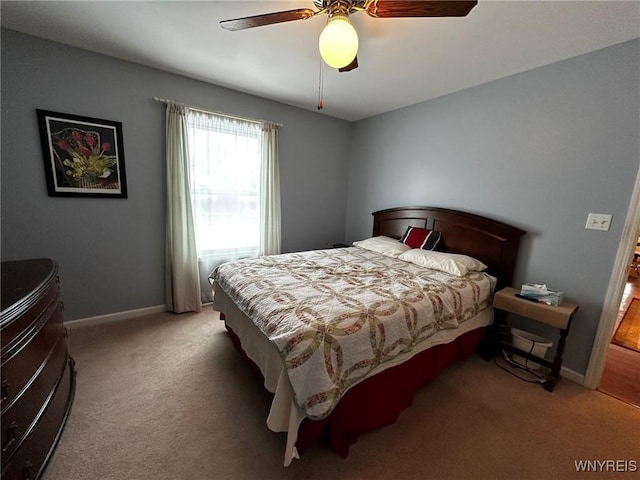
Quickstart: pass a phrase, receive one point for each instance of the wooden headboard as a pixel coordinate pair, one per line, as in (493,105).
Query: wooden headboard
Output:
(493,243)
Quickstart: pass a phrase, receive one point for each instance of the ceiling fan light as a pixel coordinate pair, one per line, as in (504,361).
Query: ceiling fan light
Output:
(338,42)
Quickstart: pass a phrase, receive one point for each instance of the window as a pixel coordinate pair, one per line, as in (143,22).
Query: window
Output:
(225,161)
(225,180)
(223,198)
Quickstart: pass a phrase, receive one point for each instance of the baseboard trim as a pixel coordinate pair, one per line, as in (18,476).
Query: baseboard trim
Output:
(572,375)
(115,317)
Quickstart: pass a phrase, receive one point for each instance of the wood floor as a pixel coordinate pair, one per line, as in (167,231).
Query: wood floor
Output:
(621,377)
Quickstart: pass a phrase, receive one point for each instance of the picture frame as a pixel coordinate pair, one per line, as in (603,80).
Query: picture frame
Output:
(83,156)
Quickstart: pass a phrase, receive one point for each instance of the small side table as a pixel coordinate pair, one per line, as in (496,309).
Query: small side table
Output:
(559,317)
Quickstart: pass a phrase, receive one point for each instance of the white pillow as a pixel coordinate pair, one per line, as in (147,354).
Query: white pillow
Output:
(453,263)
(385,245)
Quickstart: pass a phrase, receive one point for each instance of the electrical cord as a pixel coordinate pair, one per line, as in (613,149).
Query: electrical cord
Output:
(538,378)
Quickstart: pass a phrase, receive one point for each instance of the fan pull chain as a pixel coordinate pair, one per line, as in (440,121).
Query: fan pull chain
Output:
(320,87)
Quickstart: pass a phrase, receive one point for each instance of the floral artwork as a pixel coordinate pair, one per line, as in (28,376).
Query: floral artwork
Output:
(83,156)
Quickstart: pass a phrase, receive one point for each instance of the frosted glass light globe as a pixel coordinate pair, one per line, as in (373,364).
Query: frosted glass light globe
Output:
(338,42)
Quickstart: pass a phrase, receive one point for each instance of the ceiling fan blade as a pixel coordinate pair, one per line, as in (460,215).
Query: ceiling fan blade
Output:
(267,19)
(419,8)
(352,66)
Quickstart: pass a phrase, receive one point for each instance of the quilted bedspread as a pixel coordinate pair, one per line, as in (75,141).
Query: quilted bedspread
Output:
(336,315)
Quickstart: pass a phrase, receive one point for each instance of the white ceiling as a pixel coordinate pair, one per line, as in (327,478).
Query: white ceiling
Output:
(402,61)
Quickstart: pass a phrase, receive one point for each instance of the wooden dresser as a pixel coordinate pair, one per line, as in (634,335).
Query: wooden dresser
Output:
(38,375)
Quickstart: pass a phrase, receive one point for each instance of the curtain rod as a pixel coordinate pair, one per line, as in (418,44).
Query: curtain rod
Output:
(208,110)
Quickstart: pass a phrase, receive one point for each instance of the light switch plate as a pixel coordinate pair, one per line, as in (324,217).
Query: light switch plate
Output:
(598,221)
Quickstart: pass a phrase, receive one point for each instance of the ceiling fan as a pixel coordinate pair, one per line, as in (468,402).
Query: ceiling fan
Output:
(339,41)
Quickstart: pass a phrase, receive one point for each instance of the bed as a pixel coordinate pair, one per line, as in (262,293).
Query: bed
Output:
(343,337)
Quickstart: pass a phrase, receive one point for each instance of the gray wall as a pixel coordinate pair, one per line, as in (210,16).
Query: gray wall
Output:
(539,150)
(111,251)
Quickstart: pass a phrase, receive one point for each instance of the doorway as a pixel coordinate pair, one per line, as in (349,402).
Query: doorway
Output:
(614,296)
(621,375)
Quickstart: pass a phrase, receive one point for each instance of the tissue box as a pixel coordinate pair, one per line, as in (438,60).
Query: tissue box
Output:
(541,293)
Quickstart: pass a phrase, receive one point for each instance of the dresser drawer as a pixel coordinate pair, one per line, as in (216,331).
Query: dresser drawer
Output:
(29,461)
(22,320)
(20,416)
(21,363)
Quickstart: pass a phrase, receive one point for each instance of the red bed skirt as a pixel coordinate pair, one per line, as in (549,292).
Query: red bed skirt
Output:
(379,400)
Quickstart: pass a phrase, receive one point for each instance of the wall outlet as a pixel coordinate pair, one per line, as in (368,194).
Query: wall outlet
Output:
(598,221)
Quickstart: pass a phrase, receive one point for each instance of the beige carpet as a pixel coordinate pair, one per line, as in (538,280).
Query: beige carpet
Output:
(628,332)
(167,397)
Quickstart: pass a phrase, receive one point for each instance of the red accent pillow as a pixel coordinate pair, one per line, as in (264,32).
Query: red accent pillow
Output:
(423,238)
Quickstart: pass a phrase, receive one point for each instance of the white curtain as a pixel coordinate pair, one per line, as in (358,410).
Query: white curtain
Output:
(182,285)
(235,190)
(270,240)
